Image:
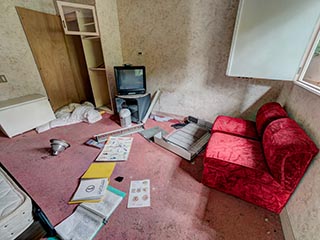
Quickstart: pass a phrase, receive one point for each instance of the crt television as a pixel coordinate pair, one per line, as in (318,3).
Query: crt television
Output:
(130,79)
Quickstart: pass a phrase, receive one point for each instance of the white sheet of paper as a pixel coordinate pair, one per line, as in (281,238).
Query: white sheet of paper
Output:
(116,149)
(91,189)
(81,225)
(139,194)
(88,218)
(106,207)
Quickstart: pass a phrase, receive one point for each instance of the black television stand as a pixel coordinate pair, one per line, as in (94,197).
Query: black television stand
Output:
(138,105)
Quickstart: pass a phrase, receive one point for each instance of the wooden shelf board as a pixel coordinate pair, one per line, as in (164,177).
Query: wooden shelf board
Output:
(90,37)
(106,108)
(97,69)
(88,24)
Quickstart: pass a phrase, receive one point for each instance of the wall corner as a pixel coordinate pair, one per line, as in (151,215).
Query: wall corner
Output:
(286,225)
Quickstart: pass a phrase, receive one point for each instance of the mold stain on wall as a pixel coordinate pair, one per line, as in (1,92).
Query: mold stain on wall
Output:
(185,47)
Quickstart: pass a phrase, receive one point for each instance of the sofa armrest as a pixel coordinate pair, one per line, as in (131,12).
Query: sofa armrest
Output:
(267,113)
(288,151)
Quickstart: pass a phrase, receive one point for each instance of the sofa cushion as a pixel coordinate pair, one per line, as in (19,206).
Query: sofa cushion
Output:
(288,151)
(236,166)
(237,150)
(235,126)
(268,113)
(253,186)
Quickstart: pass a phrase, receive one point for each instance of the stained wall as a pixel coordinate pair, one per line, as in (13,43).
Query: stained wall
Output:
(110,38)
(304,206)
(17,62)
(185,47)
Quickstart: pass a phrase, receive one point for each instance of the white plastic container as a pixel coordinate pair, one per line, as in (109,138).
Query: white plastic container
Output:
(125,118)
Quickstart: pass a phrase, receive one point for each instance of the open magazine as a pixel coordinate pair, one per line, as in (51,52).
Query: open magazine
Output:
(85,222)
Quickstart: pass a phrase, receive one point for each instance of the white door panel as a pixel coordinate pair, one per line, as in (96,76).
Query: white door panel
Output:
(271,37)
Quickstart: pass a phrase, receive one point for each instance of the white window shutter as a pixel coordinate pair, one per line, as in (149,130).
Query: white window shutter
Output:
(271,38)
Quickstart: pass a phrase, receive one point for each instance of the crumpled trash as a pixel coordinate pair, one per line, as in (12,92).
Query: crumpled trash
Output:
(71,114)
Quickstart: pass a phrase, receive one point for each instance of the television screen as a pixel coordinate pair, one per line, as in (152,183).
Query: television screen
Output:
(130,80)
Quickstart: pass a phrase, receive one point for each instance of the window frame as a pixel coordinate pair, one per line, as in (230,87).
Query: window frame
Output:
(315,39)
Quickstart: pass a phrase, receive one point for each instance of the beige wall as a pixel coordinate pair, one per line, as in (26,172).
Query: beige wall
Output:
(110,38)
(304,206)
(17,62)
(185,47)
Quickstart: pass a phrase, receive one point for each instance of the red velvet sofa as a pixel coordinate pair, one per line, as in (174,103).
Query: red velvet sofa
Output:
(260,162)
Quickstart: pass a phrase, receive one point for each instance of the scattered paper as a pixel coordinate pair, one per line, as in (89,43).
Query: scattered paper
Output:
(99,170)
(139,194)
(160,119)
(94,143)
(90,189)
(88,218)
(116,149)
(108,204)
(81,224)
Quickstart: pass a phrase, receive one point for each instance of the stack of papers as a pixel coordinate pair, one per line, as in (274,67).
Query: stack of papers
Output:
(88,218)
(93,183)
(90,190)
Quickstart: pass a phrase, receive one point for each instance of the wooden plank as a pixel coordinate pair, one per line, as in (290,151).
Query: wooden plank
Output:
(100,89)
(79,67)
(98,79)
(46,38)
(93,52)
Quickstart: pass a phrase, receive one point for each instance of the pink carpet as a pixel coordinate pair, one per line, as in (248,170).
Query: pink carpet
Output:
(181,207)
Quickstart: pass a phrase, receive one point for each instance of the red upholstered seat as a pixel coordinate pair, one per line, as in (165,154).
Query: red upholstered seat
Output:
(235,126)
(236,166)
(264,173)
(236,150)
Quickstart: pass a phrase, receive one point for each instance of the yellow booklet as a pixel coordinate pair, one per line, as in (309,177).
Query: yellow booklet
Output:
(99,170)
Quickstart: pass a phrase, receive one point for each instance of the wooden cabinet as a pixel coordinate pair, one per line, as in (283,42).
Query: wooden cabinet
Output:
(78,19)
(81,20)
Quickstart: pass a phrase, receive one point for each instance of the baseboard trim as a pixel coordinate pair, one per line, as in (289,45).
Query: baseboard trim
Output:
(286,225)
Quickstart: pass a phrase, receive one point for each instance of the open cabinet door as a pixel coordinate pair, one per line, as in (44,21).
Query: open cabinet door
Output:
(46,38)
(271,37)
